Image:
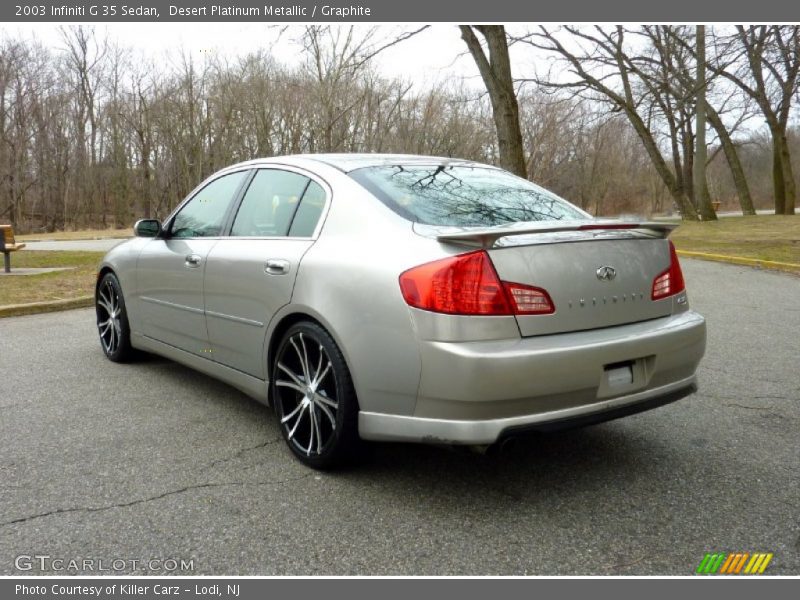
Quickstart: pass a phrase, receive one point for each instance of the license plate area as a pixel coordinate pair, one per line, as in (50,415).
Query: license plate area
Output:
(624,377)
(619,374)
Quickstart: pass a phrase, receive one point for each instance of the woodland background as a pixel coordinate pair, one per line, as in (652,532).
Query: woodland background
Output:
(92,134)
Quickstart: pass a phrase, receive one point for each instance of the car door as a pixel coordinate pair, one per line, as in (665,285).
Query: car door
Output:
(250,274)
(170,268)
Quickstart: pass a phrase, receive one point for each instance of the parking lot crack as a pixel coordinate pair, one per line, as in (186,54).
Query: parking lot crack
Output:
(764,409)
(626,564)
(189,488)
(239,453)
(735,405)
(750,396)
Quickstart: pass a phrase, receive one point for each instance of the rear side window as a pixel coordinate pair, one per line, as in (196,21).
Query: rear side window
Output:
(463,196)
(309,211)
(270,204)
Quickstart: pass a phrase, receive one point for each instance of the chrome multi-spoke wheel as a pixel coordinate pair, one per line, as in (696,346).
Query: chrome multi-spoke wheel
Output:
(313,396)
(112,321)
(108,314)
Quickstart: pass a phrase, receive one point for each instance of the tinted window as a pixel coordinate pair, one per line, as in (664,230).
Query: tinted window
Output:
(204,214)
(269,204)
(462,196)
(309,211)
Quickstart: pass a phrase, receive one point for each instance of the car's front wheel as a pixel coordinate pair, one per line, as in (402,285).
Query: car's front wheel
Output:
(314,398)
(112,320)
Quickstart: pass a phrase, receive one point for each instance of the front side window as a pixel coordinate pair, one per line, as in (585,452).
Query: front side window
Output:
(204,214)
(270,204)
(463,196)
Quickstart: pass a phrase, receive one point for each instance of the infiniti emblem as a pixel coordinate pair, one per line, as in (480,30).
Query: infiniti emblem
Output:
(606,273)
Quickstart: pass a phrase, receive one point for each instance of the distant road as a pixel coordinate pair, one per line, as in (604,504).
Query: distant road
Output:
(85,245)
(726,213)
(738,213)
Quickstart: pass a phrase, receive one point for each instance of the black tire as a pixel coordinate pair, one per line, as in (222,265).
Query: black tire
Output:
(318,420)
(112,320)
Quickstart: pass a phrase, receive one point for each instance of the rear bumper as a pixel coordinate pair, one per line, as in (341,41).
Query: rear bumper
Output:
(478,392)
(380,427)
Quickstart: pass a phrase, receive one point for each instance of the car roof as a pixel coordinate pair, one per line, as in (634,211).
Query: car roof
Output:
(351,162)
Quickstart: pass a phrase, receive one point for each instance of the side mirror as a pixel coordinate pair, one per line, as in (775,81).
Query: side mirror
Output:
(147,228)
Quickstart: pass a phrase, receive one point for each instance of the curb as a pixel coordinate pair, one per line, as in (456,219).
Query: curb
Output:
(94,239)
(741,260)
(32,308)
(120,236)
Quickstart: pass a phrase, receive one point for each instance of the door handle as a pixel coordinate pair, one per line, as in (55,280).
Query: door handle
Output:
(276,266)
(193,260)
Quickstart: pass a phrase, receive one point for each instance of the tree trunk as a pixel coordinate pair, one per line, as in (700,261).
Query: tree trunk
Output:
(144,167)
(789,187)
(677,192)
(777,175)
(700,187)
(735,165)
(496,74)
(686,181)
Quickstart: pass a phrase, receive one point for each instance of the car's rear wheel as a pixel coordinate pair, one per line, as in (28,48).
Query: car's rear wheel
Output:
(314,398)
(112,320)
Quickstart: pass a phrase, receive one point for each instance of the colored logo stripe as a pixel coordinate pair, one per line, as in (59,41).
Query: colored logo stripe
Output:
(732,564)
(758,563)
(710,563)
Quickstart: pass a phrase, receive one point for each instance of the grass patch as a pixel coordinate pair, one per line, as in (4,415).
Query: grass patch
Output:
(763,237)
(87,234)
(61,285)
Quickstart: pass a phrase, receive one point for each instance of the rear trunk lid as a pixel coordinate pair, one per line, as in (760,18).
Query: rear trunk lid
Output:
(596,276)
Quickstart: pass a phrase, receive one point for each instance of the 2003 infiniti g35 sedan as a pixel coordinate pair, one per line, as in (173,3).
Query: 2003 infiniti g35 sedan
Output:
(404,298)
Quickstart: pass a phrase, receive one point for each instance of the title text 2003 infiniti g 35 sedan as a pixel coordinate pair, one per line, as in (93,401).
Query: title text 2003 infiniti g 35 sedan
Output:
(404,298)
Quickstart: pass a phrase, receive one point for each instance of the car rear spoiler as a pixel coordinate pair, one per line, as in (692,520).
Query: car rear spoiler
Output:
(488,236)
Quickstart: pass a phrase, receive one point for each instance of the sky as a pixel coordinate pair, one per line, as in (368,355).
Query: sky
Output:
(437,54)
(433,55)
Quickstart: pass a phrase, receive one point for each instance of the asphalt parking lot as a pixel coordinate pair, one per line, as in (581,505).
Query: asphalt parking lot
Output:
(154,461)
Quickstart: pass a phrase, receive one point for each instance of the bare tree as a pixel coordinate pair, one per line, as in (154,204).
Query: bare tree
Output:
(495,70)
(683,82)
(768,72)
(84,60)
(602,68)
(701,149)
(337,56)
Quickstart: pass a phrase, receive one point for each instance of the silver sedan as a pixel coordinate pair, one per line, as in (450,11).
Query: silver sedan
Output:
(404,298)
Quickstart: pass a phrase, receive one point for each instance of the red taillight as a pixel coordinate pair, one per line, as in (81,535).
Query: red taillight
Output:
(670,282)
(460,285)
(467,284)
(529,300)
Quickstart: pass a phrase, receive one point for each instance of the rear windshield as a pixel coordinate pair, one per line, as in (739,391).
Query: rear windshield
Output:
(462,196)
